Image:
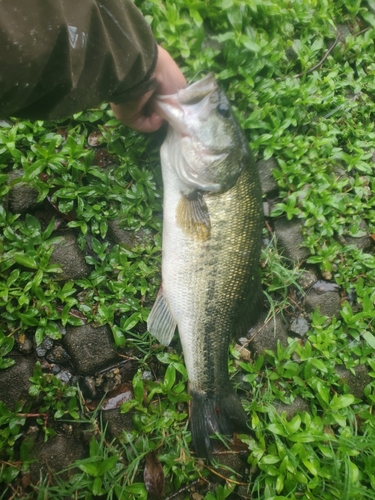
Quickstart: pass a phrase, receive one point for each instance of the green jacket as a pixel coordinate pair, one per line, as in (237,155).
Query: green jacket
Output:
(58,57)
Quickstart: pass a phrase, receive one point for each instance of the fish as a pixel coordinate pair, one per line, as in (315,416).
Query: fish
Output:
(212,237)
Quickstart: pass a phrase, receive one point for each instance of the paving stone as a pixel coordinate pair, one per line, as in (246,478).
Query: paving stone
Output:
(90,348)
(118,422)
(118,234)
(357,382)
(22,196)
(290,240)
(267,180)
(68,255)
(266,335)
(298,405)
(14,381)
(55,455)
(327,303)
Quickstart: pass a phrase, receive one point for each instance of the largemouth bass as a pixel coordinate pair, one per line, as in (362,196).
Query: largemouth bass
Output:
(211,246)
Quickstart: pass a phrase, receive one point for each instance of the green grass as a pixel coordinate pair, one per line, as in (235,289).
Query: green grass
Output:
(301,100)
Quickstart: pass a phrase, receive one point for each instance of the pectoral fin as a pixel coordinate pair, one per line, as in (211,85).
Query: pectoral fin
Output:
(193,217)
(160,322)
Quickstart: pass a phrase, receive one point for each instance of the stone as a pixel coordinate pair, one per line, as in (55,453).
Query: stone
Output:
(58,355)
(327,303)
(266,335)
(362,242)
(357,382)
(267,180)
(131,239)
(299,405)
(89,348)
(299,326)
(307,279)
(118,422)
(22,196)
(67,254)
(55,455)
(290,240)
(15,383)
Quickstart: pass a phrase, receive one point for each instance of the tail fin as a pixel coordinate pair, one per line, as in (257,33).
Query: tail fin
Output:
(220,413)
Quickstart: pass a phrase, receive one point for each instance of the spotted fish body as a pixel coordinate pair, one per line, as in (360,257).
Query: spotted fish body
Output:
(211,246)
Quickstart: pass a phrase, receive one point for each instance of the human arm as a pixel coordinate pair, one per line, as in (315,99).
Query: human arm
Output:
(169,79)
(68,55)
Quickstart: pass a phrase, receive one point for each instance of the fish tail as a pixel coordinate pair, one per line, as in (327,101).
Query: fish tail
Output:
(218,413)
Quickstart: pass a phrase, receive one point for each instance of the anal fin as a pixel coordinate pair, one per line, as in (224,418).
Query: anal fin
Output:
(160,322)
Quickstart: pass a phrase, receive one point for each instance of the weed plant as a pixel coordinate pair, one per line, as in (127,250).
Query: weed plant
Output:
(301,78)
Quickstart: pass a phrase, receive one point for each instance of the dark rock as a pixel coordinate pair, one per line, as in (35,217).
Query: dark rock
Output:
(265,167)
(307,279)
(266,335)
(327,303)
(67,254)
(24,343)
(58,355)
(90,348)
(118,422)
(298,405)
(357,382)
(64,376)
(290,240)
(45,346)
(55,455)
(22,196)
(131,239)
(362,242)
(15,383)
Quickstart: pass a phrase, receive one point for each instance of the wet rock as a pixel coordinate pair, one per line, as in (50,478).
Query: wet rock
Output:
(357,382)
(67,254)
(22,196)
(118,422)
(64,376)
(266,335)
(265,167)
(45,346)
(55,455)
(327,303)
(232,461)
(58,355)
(307,279)
(14,381)
(24,343)
(290,240)
(131,239)
(299,405)
(363,241)
(300,326)
(90,348)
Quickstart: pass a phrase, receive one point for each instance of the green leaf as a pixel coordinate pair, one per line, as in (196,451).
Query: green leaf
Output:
(25,260)
(339,402)
(370,339)
(118,336)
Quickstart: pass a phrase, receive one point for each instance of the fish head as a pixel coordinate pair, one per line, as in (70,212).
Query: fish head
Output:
(208,144)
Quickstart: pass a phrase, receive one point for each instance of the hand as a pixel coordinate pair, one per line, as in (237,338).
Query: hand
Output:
(169,80)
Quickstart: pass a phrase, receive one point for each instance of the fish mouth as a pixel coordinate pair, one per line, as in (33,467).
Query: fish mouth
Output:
(194,100)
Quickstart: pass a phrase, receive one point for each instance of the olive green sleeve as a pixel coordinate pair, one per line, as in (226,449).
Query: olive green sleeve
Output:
(58,57)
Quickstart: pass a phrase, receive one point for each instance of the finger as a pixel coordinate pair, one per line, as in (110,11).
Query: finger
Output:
(147,123)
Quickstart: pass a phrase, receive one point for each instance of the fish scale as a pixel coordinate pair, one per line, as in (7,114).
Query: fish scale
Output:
(211,247)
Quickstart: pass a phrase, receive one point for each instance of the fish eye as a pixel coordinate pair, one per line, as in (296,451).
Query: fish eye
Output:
(223,110)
